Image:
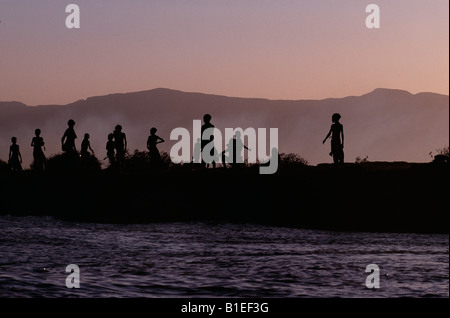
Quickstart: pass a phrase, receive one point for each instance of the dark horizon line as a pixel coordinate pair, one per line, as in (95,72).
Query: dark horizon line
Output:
(225,96)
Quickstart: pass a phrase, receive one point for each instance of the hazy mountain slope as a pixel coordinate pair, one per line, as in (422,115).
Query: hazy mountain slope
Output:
(385,125)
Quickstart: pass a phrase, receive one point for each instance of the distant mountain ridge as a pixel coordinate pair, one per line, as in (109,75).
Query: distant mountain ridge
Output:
(385,124)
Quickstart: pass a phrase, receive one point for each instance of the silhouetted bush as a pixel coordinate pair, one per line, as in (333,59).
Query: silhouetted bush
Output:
(359,160)
(61,163)
(4,168)
(442,155)
(140,161)
(443,151)
(291,160)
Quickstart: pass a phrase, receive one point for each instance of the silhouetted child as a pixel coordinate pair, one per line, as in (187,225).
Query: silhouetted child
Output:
(110,146)
(68,139)
(152,141)
(234,149)
(38,155)
(337,144)
(15,158)
(120,141)
(197,151)
(207,124)
(85,147)
(238,147)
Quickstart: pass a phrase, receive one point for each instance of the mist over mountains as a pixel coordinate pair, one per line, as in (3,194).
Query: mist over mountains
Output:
(385,124)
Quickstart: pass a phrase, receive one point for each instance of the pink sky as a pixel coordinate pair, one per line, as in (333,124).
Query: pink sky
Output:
(247,48)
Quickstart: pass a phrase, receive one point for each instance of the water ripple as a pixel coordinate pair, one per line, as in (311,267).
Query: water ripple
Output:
(214,260)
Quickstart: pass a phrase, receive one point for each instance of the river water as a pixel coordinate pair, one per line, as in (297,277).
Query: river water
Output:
(214,260)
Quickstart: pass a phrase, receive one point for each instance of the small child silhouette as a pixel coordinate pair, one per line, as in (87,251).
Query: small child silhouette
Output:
(197,151)
(68,139)
(152,141)
(38,155)
(120,141)
(110,146)
(15,158)
(85,146)
(337,144)
(207,124)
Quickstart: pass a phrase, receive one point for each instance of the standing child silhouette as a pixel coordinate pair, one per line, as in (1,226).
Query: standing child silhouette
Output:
(110,146)
(234,148)
(85,147)
(152,141)
(207,124)
(197,151)
(38,155)
(120,141)
(68,139)
(337,144)
(15,158)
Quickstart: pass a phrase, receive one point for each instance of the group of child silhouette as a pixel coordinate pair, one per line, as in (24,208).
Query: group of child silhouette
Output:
(116,147)
(235,146)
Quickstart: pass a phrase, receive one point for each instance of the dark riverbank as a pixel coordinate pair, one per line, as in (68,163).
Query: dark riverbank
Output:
(378,197)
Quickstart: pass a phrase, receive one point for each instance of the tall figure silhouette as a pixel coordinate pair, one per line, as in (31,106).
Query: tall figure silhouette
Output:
(38,154)
(152,141)
(120,141)
(207,124)
(68,139)
(15,158)
(337,139)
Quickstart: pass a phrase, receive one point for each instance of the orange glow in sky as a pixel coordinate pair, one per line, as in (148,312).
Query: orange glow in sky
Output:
(270,49)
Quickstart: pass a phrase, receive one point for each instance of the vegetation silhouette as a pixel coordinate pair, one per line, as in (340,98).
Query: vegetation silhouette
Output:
(141,162)
(360,160)
(57,165)
(442,156)
(4,168)
(292,160)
